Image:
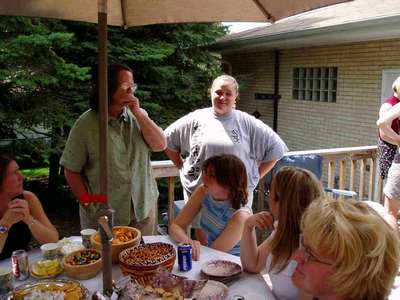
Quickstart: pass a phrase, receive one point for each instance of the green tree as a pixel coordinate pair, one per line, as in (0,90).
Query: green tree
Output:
(39,89)
(172,68)
(46,67)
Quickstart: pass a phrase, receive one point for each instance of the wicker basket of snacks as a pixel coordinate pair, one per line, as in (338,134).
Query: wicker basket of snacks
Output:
(141,262)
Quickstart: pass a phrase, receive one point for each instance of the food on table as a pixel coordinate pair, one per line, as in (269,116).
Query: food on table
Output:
(145,255)
(39,295)
(84,257)
(68,245)
(142,261)
(52,290)
(46,268)
(122,235)
(83,264)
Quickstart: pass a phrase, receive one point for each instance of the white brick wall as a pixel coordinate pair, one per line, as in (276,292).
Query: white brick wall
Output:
(306,125)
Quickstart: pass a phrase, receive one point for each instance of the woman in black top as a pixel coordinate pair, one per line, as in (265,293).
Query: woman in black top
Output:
(21,213)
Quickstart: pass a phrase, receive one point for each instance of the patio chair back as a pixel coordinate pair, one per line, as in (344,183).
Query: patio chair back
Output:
(311,162)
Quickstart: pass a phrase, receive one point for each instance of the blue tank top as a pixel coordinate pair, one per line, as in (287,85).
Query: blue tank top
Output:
(215,215)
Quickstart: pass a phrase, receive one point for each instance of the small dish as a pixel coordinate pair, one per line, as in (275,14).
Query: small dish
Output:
(221,268)
(45,269)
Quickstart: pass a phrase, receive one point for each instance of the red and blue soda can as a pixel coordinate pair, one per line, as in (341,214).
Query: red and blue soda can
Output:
(184,257)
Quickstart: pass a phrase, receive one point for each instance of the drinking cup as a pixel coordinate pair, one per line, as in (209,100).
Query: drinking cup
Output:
(86,234)
(49,250)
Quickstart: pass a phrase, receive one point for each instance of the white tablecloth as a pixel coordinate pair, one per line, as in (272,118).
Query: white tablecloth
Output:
(251,286)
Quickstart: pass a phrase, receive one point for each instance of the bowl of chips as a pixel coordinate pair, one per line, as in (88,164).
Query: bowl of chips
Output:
(124,237)
(83,264)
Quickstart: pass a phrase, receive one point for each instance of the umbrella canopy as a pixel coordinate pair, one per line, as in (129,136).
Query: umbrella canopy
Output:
(145,12)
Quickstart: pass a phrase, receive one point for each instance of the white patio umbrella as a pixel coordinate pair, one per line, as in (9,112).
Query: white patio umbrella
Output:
(145,12)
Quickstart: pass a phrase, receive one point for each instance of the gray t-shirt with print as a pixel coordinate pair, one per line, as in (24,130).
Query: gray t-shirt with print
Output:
(202,134)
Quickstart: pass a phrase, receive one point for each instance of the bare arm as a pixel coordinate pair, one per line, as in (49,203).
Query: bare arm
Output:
(175,157)
(75,182)
(184,219)
(387,114)
(232,233)
(35,217)
(152,134)
(265,167)
(254,258)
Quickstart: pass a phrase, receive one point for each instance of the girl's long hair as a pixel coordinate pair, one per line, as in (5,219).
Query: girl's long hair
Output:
(293,189)
(230,172)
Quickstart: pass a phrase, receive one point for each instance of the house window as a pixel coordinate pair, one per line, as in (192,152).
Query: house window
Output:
(315,84)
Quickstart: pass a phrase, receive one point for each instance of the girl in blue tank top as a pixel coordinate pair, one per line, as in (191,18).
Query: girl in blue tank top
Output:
(221,199)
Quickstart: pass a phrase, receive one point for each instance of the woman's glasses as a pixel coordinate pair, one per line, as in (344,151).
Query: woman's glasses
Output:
(308,256)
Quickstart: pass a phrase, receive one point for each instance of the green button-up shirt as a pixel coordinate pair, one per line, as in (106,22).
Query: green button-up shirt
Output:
(130,175)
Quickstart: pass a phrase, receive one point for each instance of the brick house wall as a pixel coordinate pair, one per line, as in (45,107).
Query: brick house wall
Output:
(306,125)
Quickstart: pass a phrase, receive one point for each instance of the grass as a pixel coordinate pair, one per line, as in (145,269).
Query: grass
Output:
(35,173)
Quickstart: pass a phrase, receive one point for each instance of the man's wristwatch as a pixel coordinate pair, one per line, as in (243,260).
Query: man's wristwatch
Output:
(3,229)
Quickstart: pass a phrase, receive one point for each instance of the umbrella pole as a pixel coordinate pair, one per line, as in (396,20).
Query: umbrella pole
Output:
(103,134)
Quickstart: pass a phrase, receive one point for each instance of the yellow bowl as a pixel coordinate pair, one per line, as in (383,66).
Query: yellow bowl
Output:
(118,245)
(84,271)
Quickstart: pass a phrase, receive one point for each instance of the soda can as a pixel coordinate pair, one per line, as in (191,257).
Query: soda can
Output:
(184,257)
(20,264)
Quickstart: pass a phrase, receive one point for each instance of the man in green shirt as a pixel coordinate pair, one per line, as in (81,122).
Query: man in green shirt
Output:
(132,189)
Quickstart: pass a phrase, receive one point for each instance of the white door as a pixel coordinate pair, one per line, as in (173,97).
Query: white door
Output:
(388,76)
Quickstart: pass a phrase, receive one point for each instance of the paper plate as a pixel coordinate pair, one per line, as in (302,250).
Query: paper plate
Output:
(221,268)
(213,290)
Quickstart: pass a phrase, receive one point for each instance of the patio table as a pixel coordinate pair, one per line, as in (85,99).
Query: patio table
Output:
(251,286)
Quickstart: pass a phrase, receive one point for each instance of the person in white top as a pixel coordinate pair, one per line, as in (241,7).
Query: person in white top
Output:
(292,190)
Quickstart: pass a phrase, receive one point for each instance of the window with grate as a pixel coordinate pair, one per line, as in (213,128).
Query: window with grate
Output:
(315,84)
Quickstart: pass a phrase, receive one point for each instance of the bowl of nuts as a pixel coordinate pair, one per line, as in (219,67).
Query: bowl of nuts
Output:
(124,237)
(82,264)
(142,261)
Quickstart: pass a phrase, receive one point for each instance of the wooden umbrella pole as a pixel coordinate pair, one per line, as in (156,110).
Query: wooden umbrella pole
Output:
(103,135)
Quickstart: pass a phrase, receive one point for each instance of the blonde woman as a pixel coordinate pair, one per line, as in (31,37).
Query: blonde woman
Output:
(347,251)
(292,190)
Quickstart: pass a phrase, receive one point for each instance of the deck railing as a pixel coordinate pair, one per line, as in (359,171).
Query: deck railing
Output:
(352,168)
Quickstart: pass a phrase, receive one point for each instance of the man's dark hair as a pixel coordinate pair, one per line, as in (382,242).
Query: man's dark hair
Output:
(113,71)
